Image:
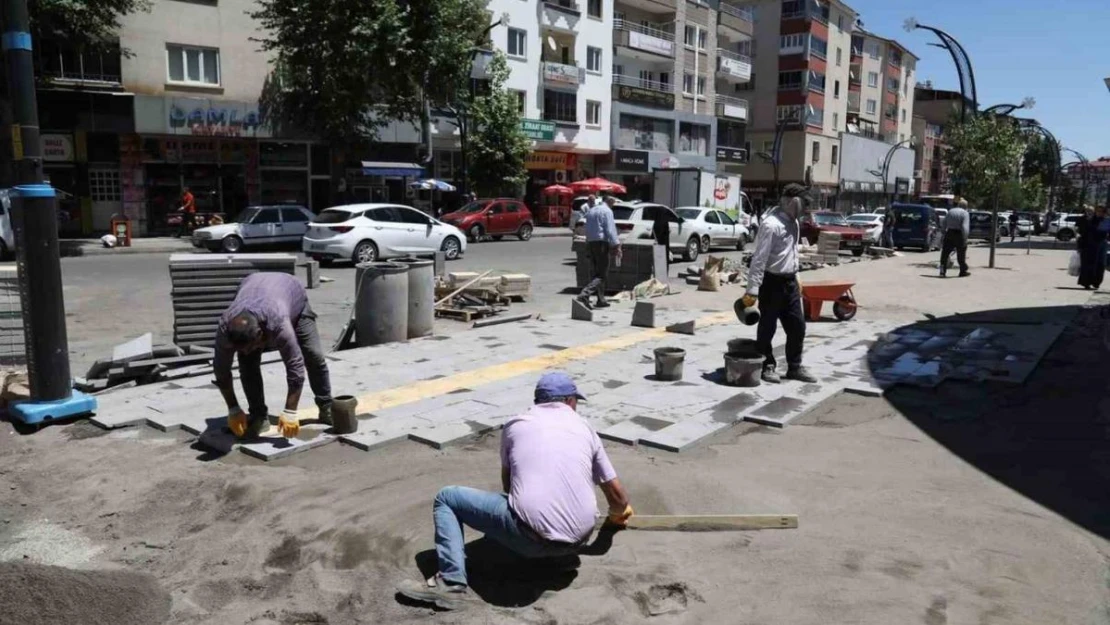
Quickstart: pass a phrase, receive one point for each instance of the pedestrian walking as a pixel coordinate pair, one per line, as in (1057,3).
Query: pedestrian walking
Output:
(1013,226)
(1093,228)
(887,236)
(188,213)
(957,227)
(773,284)
(602,242)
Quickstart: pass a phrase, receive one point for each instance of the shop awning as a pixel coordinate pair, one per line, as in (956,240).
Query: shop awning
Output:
(376,168)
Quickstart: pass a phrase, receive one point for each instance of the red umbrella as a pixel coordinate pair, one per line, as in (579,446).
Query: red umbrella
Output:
(598,185)
(558,189)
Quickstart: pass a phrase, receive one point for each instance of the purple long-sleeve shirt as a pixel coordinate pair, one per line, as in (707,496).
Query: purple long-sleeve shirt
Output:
(277,300)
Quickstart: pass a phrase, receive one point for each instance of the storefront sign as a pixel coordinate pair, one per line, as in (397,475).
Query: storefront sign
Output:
(670,162)
(648,43)
(735,67)
(202,117)
(214,121)
(57,148)
(557,72)
(538,130)
(639,95)
(732,155)
(549,160)
(631,160)
(849,185)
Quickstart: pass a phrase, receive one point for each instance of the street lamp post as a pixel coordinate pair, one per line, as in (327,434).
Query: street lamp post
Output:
(962,61)
(884,173)
(1085,164)
(774,158)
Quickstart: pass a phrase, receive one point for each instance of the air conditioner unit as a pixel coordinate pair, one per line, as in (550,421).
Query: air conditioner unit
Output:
(918,174)
(561,176)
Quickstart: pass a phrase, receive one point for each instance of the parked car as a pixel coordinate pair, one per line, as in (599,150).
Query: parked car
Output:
(716,228)
(634,221)
(915,225)
(1064,228)
(494,218)
(870,223)
(255,226)
(816,222)
(364,233)
(980,227)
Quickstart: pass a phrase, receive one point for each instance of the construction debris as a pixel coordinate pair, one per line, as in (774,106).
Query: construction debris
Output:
(139,361)
(711,522)
(466,295)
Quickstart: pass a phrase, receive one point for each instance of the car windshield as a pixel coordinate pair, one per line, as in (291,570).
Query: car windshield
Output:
(247,216)
(830,219)
(474,207)
(333,216)
(688,213)
(623,212)
(861,219)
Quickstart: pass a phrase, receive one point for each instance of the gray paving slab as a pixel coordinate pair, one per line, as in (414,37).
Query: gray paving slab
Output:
(685,434)
(442,435)
(780,412)
(630,431)
(281,447)
(135,349)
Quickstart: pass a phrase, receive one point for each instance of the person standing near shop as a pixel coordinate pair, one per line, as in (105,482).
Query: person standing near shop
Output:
(188,212)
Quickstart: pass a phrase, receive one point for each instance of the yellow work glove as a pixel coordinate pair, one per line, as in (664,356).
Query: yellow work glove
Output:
(620,519)
(288,424)
(237,421)
(749,300)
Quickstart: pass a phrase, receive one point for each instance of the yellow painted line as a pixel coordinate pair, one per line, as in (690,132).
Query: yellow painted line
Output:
(417,391)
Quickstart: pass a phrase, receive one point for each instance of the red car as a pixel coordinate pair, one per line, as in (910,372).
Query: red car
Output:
(816,222)
(494,218)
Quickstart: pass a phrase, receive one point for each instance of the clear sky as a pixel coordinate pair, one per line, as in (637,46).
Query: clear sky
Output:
(1055,51)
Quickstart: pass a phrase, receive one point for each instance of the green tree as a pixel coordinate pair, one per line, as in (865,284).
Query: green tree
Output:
(344,68)
(983,154)
(83,24)
(498,146)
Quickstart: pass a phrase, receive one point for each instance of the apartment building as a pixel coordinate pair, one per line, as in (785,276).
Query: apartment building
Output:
(934,109)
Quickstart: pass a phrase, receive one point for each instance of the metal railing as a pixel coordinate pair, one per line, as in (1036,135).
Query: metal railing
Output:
(635,81)
(744,13)
(557,72)
(728,54)
(725,100)
(564,6)
(658,31)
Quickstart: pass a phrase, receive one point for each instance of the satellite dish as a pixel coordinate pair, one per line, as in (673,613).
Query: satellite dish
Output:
(551,44)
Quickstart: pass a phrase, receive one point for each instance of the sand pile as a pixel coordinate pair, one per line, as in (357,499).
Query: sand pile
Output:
(35,594)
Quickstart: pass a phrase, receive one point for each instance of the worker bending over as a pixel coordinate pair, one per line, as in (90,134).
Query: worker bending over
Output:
(773,283)
(270,312)
(550,460)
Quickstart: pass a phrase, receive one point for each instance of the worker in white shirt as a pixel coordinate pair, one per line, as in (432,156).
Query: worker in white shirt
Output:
(773,283)
(957,227)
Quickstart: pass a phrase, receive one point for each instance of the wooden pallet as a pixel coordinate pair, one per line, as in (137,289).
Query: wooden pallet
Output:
(465,314)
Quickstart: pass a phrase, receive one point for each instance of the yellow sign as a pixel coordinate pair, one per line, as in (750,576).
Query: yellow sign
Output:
(546,160)
(17,142)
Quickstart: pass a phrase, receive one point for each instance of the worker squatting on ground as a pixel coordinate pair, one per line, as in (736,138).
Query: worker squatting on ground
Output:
(601,243)
(773,283)
(550,460)
(270,312)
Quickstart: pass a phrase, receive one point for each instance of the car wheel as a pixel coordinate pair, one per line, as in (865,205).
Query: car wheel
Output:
(1065,235)
(365,252)
(451,248)
(474,234)
(741,241)
(705,243)
(857,252)
(325,262)
(5,254)
(693,247)
(525,232)
(232,244)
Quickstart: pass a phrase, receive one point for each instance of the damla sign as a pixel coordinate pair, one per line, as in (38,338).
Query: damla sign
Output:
(215,121)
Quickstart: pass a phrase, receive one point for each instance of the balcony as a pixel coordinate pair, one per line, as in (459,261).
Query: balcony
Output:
(560,15)
(561,75)
(638,91)
(734,66)
(739,19)
(853,103)
(644,41)
(734,108)
(63,65)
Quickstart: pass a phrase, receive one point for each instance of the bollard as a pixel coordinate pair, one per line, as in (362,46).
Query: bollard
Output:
(381,303)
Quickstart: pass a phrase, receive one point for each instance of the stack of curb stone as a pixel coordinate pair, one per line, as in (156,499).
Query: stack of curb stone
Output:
(13,347)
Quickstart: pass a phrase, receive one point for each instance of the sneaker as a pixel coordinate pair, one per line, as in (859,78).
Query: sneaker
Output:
(770,376)
(437,592)
(800,374)
(602,304)
(964,274)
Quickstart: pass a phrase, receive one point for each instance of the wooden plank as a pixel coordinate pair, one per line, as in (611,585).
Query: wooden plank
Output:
(710,522)
(500,320)
(462,288)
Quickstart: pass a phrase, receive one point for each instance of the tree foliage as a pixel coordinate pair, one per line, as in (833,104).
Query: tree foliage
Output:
(81,23)
(343,68)
(984,153)
(497,144)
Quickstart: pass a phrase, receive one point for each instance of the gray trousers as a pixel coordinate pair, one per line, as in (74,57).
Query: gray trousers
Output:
(598,252)
(315,365)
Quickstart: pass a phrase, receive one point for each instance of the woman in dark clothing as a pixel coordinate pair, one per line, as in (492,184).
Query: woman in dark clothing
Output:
(1092,227)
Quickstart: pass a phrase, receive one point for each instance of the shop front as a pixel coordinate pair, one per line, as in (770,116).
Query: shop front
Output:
(545,169)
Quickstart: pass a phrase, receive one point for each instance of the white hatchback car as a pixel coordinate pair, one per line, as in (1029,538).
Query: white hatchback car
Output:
(257,225)
(870,223)
(364,233)
(716,228)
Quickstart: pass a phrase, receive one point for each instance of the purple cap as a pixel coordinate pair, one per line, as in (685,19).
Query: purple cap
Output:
(556,384)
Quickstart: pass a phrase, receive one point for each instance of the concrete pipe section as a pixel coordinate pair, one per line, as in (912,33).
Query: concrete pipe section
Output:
(422,296)
(381,303)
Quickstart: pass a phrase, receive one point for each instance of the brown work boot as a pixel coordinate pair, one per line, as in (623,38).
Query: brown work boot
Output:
(800,374)
(437,592)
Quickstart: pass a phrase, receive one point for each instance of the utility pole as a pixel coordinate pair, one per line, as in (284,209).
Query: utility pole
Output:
(35,221)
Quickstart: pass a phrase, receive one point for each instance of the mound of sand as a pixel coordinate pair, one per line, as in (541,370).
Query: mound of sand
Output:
(35,594)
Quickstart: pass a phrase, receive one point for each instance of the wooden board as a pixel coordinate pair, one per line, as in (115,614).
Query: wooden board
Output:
(710,522)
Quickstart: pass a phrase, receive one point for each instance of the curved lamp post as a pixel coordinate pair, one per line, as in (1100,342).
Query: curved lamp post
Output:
(884,173)
(1082,161)
(1008,109)
(962,61)
(774,157)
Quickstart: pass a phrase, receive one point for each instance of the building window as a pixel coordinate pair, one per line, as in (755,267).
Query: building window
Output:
(560,106)
(521,100)
(645,133)
(892,85)
(688,83)
(593,113)
(816,151)
(518,43)
(731,134)
(840,22)
(789,113)
(104,185)
(835,154)
(896,58)
(793,8)
(873,50)
(903,116)
(818,47)
(836,126)
(890,111)
(593,59)
(901,137)
(816,82)
(836,89)
(690,36)
(701,86)
(198,66)
(693,139)
(703,39)
(839,55)
(872,107)
(790,81)
(815,117)
(792,44)
(872,79)
(593,8)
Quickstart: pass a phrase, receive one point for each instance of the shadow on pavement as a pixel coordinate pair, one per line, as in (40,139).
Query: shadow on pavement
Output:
(1047,438)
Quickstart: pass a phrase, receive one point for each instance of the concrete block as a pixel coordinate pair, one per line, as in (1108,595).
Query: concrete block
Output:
(374,433)
(312,274)
(440,266)
(272,448)
(135,349)
(440,436)
(686,327)
(580,312)
(643,316)
(631,431)
(867,389)
(659,263)
(684,434)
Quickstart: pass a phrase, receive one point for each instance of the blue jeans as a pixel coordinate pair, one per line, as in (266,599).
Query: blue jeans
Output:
(489,514)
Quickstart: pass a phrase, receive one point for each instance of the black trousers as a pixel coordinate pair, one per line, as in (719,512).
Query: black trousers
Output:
(780,300)
(599,253)
(315,365)
(953,240)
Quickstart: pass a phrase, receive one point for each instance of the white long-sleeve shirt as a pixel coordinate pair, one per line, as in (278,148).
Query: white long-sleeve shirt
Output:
(776,248)
(958,219)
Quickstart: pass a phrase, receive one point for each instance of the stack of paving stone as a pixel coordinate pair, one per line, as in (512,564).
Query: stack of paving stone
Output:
(204,285)
(13,348)
(828,247)
(515,285)
(637,260)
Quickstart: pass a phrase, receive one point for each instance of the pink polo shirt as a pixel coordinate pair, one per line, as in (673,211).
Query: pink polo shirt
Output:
(554,458)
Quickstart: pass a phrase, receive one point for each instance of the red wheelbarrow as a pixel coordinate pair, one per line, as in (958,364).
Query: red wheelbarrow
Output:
(815,294)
